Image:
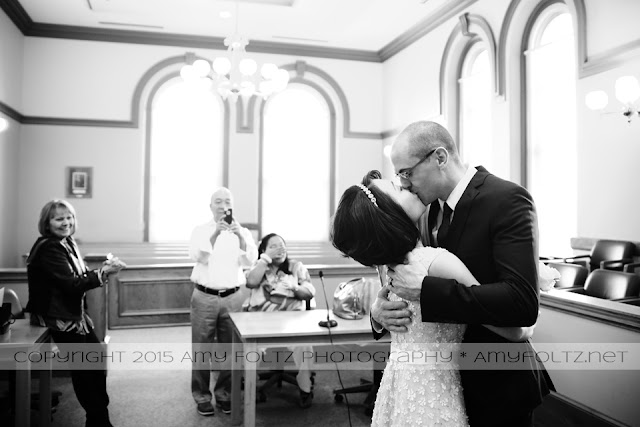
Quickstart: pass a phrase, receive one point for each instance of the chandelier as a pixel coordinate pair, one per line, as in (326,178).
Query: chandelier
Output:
(235,74)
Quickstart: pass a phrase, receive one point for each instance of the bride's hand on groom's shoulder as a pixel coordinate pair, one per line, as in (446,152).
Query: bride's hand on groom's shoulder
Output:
(391,315)
(406,280)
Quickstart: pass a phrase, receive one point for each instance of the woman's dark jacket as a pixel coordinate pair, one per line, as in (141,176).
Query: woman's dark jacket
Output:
(56,287)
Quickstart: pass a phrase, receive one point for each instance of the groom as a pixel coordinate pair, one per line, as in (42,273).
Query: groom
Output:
(490,224)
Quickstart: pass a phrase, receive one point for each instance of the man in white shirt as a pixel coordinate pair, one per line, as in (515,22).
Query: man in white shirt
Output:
(221,248)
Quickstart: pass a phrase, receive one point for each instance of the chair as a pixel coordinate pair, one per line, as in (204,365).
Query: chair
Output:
(17,312)
(611,285)
(278,376)
(631,268)
(366,386)
(608,254)
(572,276)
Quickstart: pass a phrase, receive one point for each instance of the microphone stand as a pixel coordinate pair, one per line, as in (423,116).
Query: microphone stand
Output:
(329,323)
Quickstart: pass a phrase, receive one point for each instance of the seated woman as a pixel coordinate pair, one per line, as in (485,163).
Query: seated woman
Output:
(280,284)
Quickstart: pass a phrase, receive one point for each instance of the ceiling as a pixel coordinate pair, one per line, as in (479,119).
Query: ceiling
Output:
(366,25)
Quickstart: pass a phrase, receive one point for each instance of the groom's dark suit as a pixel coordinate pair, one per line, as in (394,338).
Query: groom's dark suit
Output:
(494,233)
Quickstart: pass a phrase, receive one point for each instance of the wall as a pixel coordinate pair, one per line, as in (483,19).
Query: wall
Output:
(96,81)
(11,59)
(72,79)
(610,392)
(608,147)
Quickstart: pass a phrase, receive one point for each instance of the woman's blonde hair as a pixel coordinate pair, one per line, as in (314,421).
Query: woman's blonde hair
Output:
(49,210)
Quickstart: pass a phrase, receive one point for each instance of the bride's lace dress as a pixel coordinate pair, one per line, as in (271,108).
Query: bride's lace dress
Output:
(419,387)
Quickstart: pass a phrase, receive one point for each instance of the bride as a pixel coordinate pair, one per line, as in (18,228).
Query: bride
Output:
(376,225)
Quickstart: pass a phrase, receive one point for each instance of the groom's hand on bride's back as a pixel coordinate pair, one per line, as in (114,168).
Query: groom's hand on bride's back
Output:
(390,315)
(405,280)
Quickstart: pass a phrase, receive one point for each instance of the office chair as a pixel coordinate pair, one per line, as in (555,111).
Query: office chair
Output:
(366,386)
(611,285)
(280,375)
(631,268)
(572,276)
(608,254)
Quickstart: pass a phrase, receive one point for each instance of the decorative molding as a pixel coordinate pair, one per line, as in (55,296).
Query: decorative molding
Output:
(610,59)
(29,28)
(471,29)
(604,311)
(10,112)
(60,121)
(17,14)
(587,243)
(588,65)
(422,28)
(390,133)
(301,67)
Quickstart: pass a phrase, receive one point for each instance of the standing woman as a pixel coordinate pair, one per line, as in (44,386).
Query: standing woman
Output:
(58,281)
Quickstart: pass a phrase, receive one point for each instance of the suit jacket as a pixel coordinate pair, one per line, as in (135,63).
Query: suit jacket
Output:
(494,233)
(56,285)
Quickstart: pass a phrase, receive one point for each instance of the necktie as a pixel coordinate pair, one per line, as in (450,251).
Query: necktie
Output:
(433,216)
(443,231)
(432,220)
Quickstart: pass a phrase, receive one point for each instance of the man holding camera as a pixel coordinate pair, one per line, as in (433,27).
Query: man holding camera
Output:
(221,248)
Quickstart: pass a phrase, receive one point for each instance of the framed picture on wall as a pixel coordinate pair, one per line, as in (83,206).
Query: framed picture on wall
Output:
(79,182)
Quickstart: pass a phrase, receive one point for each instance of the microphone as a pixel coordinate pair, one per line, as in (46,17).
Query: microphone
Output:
(329,323)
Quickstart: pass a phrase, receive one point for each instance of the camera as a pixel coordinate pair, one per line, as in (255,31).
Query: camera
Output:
(228,216)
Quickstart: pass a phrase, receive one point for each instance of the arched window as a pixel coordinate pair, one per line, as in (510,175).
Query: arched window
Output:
(296,165)
(475,108)
(186,158)
(551,127)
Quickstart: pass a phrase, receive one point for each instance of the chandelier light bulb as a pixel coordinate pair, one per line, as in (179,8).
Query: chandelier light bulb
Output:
(627,90)
(268,70)
(221,65)
(596,100)
(201,67)
(266,88)
(247,89)
(248,67)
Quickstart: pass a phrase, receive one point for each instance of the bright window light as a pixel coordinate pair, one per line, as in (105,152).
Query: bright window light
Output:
(186,159)
(296,165)
(475,104)
(552,148)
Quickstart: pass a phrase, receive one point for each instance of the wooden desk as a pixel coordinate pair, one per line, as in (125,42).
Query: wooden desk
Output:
(27,338)
(281,328)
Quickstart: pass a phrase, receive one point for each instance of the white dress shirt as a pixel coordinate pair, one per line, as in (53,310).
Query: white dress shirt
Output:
(220,267)
(453,199)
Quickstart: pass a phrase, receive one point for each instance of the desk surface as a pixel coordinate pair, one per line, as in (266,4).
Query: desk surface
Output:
(22,333)
(282,327)
(278,324)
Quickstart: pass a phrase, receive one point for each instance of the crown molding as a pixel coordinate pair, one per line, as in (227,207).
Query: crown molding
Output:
(610,59)
(422,28)
(17,14)
(10,112)
(29,28)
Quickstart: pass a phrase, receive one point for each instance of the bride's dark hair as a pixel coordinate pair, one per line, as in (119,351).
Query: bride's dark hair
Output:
(370,234)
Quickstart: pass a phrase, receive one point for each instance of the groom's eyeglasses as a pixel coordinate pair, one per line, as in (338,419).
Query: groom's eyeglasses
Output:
(406,174)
